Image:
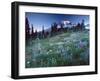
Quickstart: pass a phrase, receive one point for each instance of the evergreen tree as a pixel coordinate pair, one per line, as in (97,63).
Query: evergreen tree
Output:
(32,31)
(83,24)
(78,27)
(51,30)
(55,27)
(27,28)
(43,33)
(35,34)
(62,27)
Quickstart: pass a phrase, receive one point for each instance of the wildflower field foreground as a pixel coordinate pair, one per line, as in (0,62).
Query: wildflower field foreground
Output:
(66,49)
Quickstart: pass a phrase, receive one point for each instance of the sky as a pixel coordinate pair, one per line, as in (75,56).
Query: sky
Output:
(46,19)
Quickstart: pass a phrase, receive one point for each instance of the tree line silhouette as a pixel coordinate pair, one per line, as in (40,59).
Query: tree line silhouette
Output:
(54,30)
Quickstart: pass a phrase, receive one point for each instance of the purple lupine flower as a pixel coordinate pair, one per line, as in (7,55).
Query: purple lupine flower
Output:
(81,45)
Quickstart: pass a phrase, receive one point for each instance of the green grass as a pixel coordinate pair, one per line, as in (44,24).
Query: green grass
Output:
(67,49)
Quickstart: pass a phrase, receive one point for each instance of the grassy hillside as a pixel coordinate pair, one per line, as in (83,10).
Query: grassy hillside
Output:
(67,49)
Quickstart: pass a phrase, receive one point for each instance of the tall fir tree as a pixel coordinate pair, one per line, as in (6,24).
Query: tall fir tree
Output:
(83,24)
(27,28)
(43,32)
(32,31)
